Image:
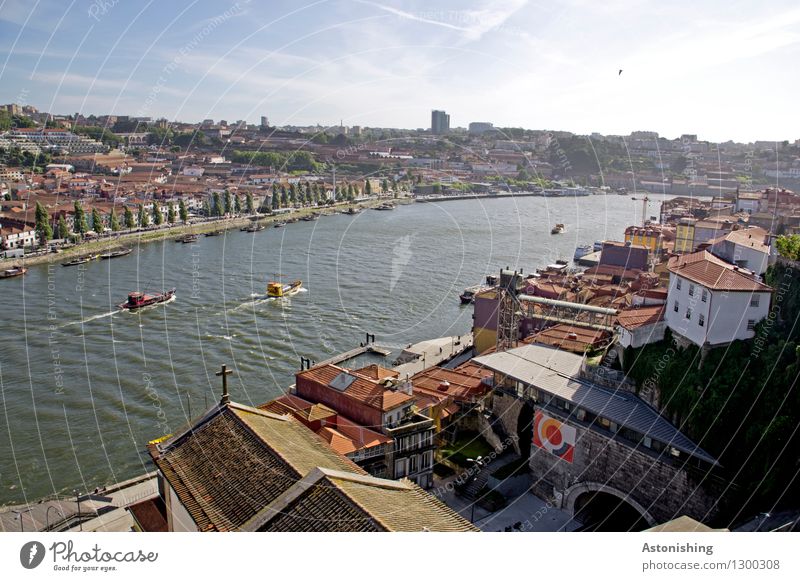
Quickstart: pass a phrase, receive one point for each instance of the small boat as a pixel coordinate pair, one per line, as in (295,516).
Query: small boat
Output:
(279,289)
(598,245)
(352,210)
(13,271)
(468,296)
(279,224)
(138,300)
(492,280)
(116,253)
(81,260)
(582,251)
(310,218)
(385,206)
(214,233)
(188,238)
(254,228)
(558,229)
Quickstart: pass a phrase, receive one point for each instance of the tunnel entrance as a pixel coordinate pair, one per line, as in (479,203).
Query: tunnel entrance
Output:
(604,512)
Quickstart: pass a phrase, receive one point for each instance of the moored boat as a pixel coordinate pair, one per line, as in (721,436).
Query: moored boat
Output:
(138,300)
(558,229)
(352,210)
(279,224)
(81,260)
(13,271)
(310,218)
(214,233)
(254,228)
(116,253)
(279,289)
(385,206)
(582,251)
(188,238)
(468,296)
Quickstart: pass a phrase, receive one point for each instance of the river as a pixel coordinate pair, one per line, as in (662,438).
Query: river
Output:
(84,387)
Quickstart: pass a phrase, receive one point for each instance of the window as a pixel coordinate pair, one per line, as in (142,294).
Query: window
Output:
(701,320)
(604,422)
(751,324)
(704,296)
(676,306)
(691,290)
(689,313)
(754,300)
(648,442)
(678,284)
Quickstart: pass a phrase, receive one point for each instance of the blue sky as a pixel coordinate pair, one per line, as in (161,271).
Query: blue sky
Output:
(723,70)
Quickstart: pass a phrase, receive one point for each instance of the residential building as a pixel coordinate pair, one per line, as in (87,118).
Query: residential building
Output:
(648,236)
(239,468)
(712,302)
(440,122)
(479,127)
(684,236)
(640,326)
(624,255)
(748,248)
(15,234)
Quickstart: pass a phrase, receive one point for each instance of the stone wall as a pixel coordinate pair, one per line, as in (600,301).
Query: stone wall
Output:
(507,408)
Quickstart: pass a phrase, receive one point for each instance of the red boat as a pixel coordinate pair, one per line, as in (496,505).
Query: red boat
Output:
(137,300)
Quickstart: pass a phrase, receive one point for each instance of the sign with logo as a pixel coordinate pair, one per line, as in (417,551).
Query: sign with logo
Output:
(554,436)
(31,554)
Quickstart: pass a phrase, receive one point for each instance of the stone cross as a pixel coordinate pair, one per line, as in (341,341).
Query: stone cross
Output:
(224,373)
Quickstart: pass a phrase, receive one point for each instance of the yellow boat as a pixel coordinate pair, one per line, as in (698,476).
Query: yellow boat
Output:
(279,289)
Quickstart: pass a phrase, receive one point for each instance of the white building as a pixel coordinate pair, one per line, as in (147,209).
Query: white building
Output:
(640,326)
(747,248)
(712,302)
(193,171)
(13,236)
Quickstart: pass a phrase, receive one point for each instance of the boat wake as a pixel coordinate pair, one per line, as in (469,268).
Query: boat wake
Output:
(88,319)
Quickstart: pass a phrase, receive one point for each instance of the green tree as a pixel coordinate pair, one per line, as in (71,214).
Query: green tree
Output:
(384,186)
(206,208)
(216,204)
(128,218)
(158,217)
(97,221)
(171,217)
(276,200)
(144,219)
(113,221)
(228,202)
(788,246)
(237,205)
(183,212)
(367,188)
(292,194)
(62,231)
(43,228)
(351,192)
(284,196)
(81,224)
(248,203)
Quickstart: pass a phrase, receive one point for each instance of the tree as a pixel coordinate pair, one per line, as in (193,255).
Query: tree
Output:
(248,203)
(97,221)
(276,201)
(113,221)
(216,204)
(350,192)
(384,186)
(171,214)
(788,246)
(144,219)
(237,205)
(81,224)
(292,194)
(158,217)
(43,228)
(62,231)
(206,208)
(437,189)
(182,212)
(367,188)
(228,204)
(128,218)
(284,196)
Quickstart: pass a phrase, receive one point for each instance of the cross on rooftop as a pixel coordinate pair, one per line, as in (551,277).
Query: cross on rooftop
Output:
(224,373)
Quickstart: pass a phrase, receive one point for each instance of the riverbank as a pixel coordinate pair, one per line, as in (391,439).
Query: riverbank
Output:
(136,237)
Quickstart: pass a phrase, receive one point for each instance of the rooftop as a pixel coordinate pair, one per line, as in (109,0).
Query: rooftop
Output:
(356,386)
(634,318)
(714,273)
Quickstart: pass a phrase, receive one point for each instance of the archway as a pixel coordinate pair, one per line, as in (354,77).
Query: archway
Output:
(525,429)
(603,508)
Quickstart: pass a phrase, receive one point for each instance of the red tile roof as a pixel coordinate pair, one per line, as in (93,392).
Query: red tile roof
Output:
(711,272)
(635,318)
(366,391)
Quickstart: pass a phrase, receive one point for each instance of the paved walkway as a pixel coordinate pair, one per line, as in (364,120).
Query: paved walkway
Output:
(425,354)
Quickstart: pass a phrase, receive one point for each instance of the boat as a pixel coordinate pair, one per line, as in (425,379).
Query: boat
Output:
(468,296)
(137,300)
(582,251)
(13,271)
(310,218)
(351,211)
(81,260)
(385,206)
(279,289)
(279,224)
(214,233)
(492,279)
(188,238)
(558,229)
(254,228)
(116,253)
(598,245)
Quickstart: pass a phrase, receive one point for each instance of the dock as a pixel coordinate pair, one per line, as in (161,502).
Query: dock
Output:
(425,354)
(353,353)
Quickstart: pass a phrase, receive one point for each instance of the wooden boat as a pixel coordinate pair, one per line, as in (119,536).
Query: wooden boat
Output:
(188,238)
(468,296)
(558,229)
(279,289)
(13,271)
(279,224)
(138,300)
(81,260)
(310,218)
(214,233)
(385,206)
(352,210)
(254,228)
(116,253)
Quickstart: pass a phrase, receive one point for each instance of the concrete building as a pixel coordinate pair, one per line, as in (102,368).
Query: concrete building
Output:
(641,326)
(747,248)
(480,127)
(440,122)
(684,236)
(712,302)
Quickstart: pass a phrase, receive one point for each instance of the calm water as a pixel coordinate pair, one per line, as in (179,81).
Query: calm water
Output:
(83,390)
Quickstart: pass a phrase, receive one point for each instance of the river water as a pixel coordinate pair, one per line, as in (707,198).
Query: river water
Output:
(83,387)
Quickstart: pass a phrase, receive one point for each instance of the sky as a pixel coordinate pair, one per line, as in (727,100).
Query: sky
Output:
(722,70)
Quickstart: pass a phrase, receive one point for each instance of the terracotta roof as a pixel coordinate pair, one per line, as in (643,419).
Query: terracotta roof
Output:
(150,515)
(635,318)
(711,272)
(753,237)
(441,383)
(375,371)
(568,337)
(328,500)
(366,391)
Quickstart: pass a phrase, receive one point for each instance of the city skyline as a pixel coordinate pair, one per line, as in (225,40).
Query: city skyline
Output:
(390,64)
